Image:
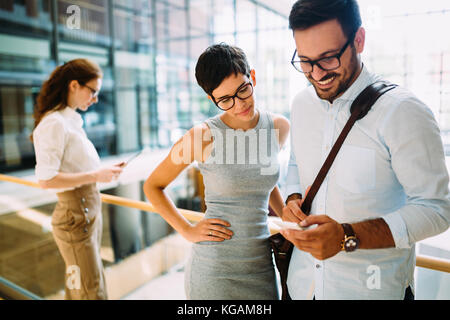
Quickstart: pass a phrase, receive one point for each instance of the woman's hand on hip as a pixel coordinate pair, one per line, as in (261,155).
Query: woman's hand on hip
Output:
(209,230)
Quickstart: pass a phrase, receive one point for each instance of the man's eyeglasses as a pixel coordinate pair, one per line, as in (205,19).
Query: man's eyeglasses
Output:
(244,91)
(326,63)
(94,93)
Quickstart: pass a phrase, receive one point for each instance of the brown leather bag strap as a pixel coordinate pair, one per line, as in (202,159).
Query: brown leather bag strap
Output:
(359,108)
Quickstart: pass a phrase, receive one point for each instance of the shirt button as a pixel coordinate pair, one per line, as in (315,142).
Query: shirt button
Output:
(86,210)
(317,266)
(83,200)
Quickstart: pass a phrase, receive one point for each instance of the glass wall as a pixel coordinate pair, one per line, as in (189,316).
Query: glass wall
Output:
(26,55)
(407,44)
(147,49)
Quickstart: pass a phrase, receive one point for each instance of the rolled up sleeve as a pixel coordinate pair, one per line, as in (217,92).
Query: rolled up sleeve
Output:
(49,143)
(398,230)
(418,160)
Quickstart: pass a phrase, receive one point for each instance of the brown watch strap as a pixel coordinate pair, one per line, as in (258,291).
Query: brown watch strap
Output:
(348,230)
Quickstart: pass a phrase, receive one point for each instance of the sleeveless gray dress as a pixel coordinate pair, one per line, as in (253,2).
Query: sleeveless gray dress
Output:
(239,175)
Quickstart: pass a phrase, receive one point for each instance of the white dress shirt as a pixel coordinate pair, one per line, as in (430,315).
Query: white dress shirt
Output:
(61,145)
(391,165)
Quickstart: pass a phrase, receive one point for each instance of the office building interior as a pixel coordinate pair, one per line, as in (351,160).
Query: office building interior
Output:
(148,50)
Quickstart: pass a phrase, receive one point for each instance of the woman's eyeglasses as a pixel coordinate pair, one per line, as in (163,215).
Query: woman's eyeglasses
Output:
(243,92)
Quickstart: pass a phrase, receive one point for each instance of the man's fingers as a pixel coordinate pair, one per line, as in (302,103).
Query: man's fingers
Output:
(299,213)
(300,235)
(294,206)
(315,219)
(304,247)
(288,215)
(292,236)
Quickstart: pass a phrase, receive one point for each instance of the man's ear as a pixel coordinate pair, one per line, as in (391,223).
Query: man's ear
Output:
(253,76)
(360,38)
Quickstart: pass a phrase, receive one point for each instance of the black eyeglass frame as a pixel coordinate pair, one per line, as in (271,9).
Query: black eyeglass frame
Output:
(317,62)
(94,92)
(233,96)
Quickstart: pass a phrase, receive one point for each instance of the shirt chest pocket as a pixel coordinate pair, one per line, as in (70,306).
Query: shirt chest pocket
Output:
(355,169)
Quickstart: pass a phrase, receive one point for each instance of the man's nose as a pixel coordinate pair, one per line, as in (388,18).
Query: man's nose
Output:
(317,73)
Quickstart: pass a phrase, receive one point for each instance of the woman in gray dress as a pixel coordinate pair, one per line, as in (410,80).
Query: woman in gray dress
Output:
(237,154)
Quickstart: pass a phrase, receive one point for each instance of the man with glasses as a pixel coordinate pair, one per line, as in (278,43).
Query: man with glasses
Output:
(388,187)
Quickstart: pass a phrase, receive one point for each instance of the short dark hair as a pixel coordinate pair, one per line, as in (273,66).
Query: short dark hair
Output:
(308,13)
(218,62)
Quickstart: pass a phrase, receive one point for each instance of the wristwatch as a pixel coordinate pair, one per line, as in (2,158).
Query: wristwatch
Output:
(350,242)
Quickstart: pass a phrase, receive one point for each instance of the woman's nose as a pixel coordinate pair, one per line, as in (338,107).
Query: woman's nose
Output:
(239,104)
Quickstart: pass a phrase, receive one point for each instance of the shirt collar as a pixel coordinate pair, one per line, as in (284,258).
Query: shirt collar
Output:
(362,81)
(70,114)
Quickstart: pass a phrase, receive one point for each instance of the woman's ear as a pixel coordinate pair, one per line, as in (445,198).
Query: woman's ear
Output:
(253,76)
(73,85)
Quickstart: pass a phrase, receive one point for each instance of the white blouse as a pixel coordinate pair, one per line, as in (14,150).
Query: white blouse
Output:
(61,145)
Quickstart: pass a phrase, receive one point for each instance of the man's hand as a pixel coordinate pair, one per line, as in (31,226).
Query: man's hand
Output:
(322,242)
(292,212)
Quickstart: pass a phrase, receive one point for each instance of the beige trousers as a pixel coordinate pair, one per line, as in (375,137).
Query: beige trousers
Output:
(77,230)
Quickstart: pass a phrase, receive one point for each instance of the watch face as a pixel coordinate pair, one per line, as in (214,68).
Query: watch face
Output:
(351,244)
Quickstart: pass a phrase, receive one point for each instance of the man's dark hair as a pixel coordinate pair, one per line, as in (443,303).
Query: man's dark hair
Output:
(218,62)
(308,13)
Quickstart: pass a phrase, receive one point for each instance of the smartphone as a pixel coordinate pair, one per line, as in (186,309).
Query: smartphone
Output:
(134,156)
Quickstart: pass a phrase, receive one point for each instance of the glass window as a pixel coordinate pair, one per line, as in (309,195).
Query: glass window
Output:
(245,16)
(224,17)
(16,125)
(25,37)
(200,17)
(84,21)
(133,29)
(100,124)
(402,45)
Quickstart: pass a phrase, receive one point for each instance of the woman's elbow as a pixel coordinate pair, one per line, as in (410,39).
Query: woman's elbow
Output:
(150,187)
(147,187)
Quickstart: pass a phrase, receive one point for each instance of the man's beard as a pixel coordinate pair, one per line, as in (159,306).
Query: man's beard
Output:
(343,84)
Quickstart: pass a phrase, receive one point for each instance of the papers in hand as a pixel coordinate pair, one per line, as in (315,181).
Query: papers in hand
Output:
(288,225)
